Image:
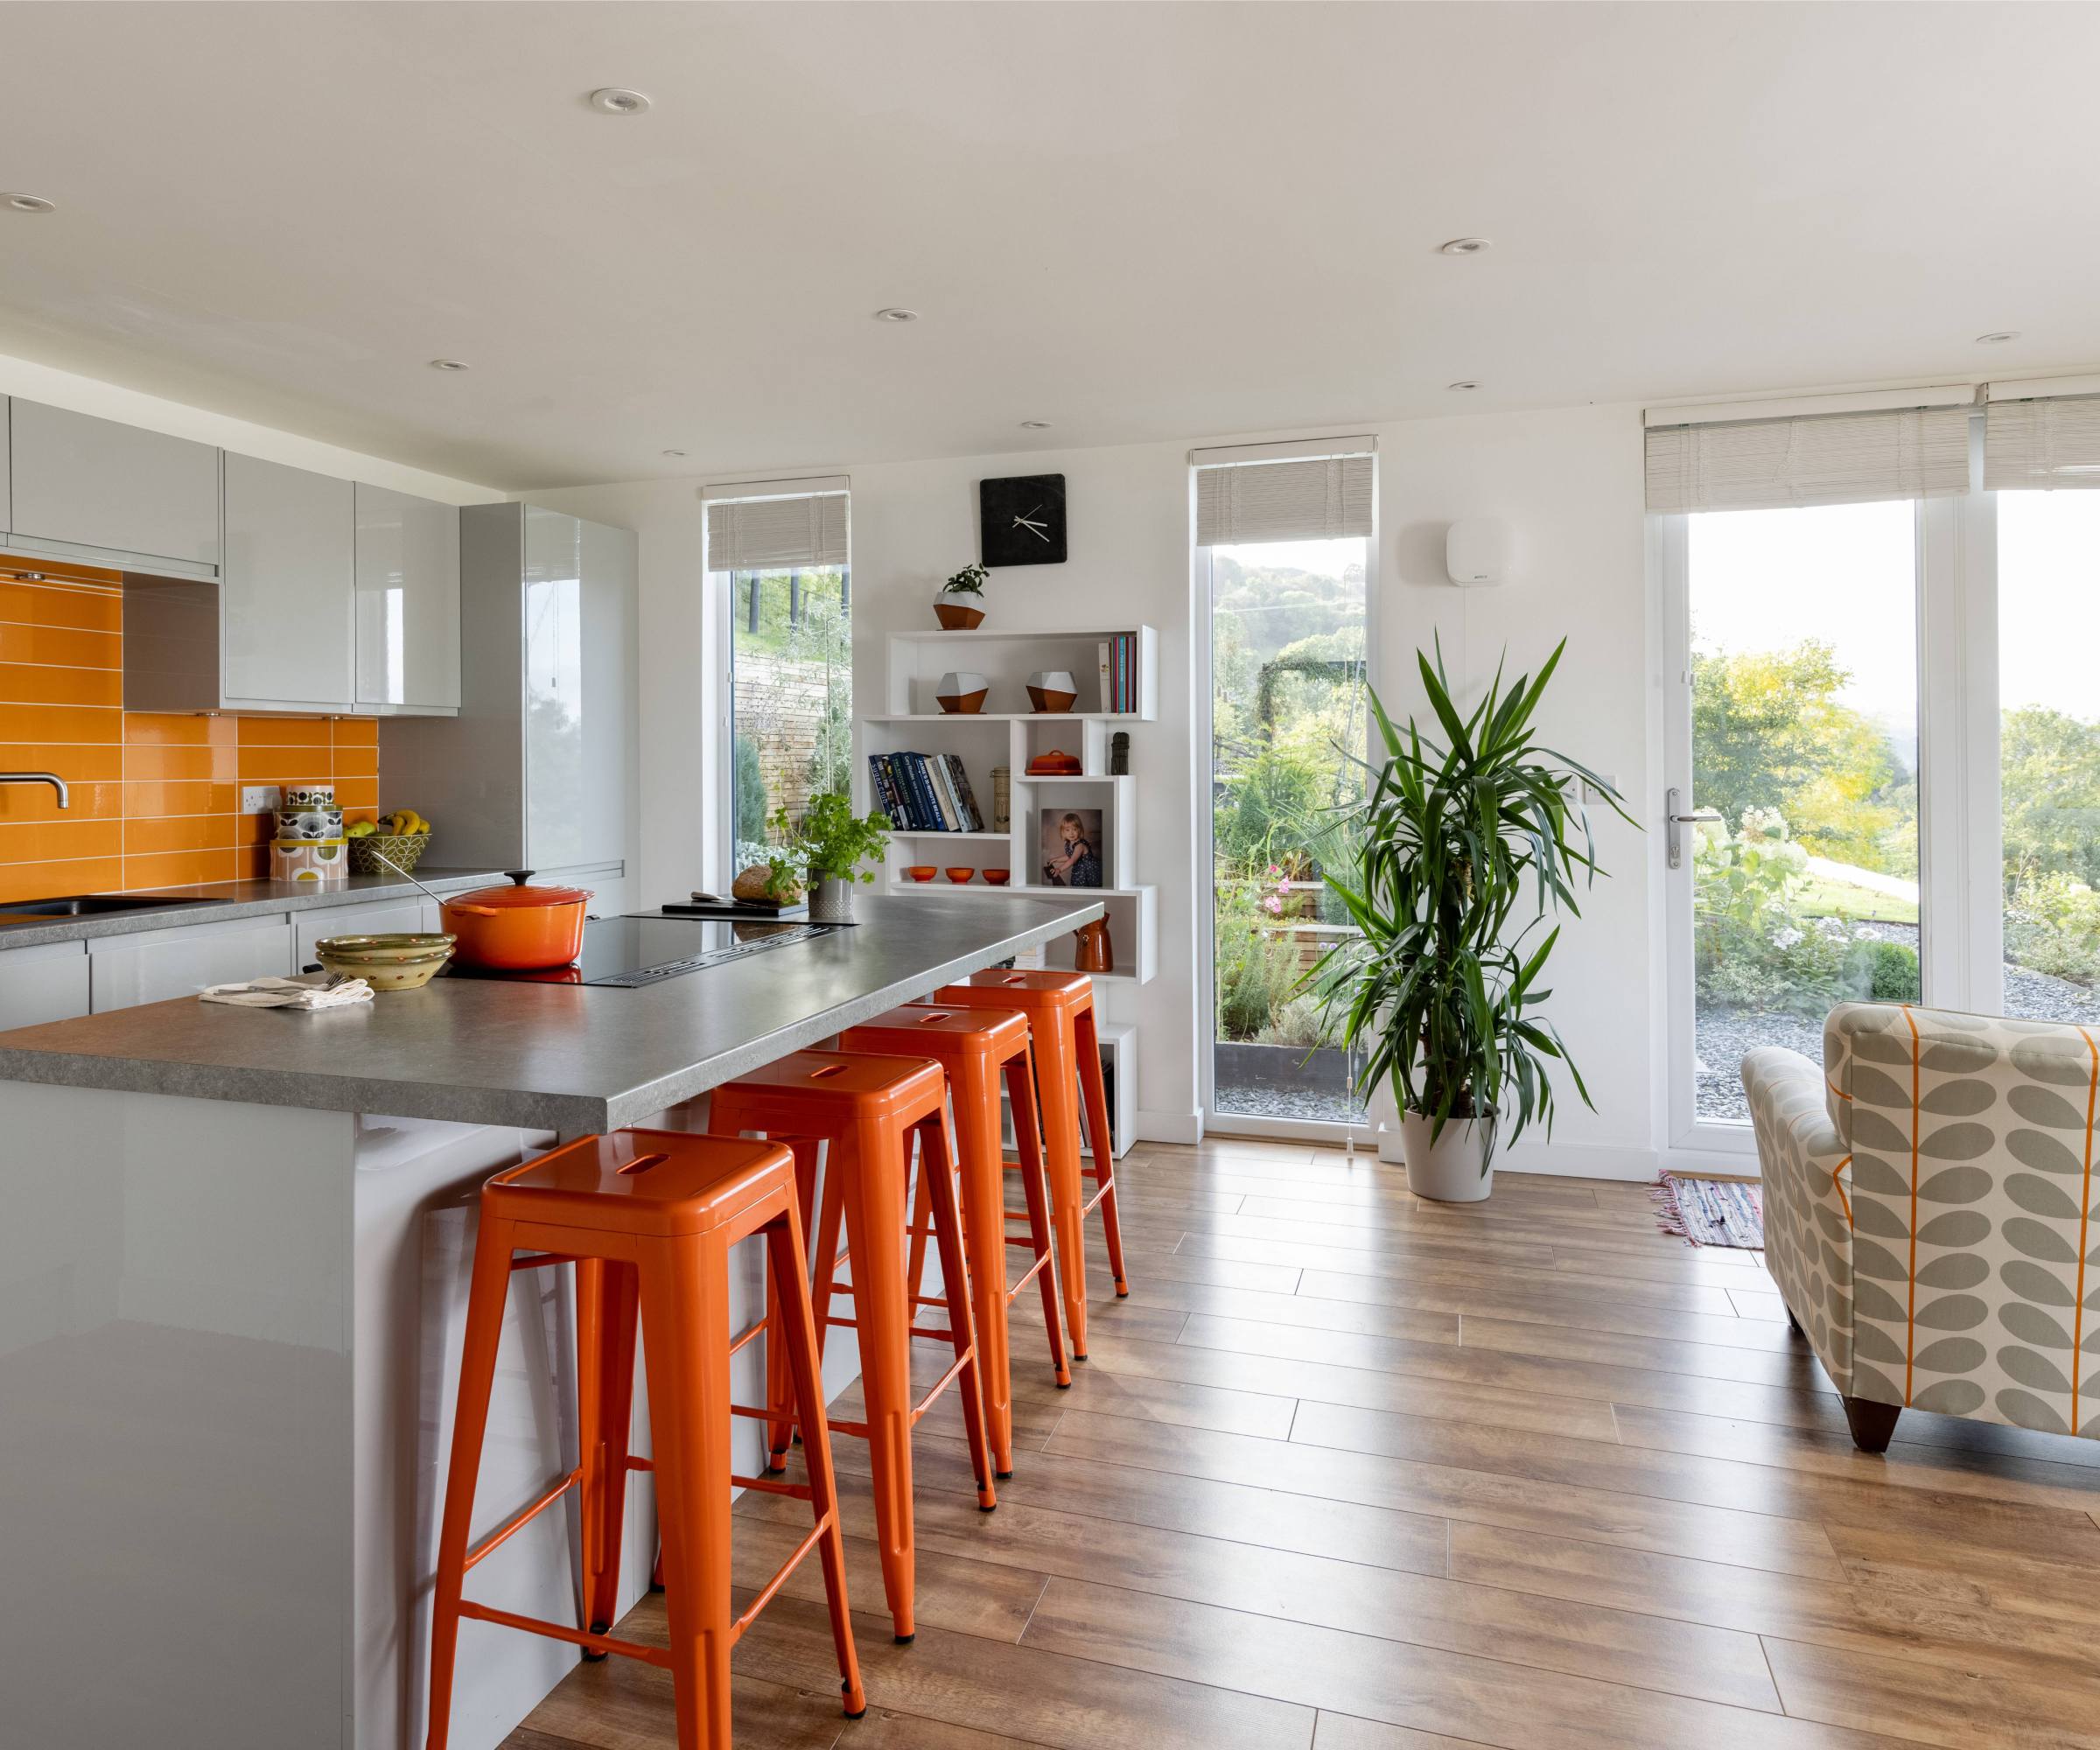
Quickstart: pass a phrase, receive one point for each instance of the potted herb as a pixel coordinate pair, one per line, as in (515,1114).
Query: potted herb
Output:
(955,606)
(1439,990)
(825,849)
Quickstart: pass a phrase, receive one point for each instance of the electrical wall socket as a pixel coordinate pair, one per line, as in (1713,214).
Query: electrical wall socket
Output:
(261,799)
(1591,792)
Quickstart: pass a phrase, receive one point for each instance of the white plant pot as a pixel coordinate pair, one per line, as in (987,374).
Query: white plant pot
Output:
(1448,1170)
(831,900)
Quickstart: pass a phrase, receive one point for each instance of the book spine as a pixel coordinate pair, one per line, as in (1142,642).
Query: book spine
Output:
(882,795)
(907,791)
(928,806)
(1108,689)
(893,797)
(936,768)
(972,820)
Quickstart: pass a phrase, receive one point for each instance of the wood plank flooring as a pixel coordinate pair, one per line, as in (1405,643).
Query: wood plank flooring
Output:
(1350,1471)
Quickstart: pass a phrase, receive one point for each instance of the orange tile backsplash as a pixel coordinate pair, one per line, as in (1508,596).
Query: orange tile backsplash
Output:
(155,798)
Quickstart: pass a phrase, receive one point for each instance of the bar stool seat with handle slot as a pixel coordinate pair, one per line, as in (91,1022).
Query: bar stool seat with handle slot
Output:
(868,1110)
(1059,1008)
(648,1218)
(974,1047)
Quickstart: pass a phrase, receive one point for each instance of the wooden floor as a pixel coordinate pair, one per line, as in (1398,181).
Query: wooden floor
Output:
(1353,1472)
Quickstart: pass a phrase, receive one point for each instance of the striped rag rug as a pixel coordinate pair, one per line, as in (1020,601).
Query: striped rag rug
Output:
(1711,1212)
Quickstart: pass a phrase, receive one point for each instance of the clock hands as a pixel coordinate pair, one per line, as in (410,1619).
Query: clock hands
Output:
(1033,526)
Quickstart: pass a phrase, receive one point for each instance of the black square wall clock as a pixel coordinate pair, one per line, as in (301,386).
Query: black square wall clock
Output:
(1021,520)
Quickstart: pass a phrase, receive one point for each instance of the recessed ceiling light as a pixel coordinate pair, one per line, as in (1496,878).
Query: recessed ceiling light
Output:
(617,99)
(1035,425)
(1464,246)
(1463,382)
(896,313)
(676,455)
(30,203)
(1998,337)
(449,365)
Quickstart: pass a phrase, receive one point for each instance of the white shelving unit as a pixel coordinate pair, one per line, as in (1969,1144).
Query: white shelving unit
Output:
(1008,734)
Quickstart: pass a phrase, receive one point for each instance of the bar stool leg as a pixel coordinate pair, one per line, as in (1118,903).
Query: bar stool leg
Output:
(685,1347)
(1020,1089)
(798,1348)
(779,1384)
(608,1299)
(977,1099)
(874,1216)
(1101,1139)
(490,1288)
(948,1235)
(1055,1072)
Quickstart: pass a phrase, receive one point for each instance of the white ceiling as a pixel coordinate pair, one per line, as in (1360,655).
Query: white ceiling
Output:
(1136,220)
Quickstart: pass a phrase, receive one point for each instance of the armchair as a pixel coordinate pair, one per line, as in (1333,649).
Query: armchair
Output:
(1928,1214)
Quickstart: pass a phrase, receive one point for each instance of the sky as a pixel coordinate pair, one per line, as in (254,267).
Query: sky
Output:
(1766,579)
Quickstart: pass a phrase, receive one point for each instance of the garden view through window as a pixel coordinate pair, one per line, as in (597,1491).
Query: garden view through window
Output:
(1288,696)
(1805,743)
(791,683)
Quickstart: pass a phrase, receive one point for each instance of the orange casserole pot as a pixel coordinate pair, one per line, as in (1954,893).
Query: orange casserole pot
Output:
(518,928)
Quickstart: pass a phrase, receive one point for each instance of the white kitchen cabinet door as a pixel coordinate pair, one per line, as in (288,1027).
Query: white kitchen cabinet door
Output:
(287,597)
(47,982)
(6,468)
(386,917)
(110,491)
(154,965)
(408,601)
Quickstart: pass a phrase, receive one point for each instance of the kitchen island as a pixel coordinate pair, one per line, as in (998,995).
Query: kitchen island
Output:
(233,1274)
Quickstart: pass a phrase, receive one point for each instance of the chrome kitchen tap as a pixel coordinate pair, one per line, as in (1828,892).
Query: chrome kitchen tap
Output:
(51,778)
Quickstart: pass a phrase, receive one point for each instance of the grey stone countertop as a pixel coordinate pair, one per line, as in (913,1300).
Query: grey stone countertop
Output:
(236,899)
(572,1058)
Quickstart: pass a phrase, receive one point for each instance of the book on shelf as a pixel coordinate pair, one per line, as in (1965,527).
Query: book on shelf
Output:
(925,793)
(1108,683)
(973,816)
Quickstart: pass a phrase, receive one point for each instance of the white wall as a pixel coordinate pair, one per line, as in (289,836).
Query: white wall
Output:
(111,401)
(1568,482)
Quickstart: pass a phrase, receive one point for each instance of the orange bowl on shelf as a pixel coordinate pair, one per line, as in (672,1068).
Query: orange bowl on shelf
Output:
(959,876)
(920,872)
(997,877)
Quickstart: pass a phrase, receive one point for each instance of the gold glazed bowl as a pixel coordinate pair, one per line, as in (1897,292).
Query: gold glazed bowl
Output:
(386,962)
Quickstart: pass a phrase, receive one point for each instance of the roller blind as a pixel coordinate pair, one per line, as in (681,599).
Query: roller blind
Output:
(760,534)
(1311,499)
(2047,443)
(1828,458)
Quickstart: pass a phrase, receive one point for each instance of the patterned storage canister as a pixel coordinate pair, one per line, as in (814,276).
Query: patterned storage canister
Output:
(299,798)
(326,861)
(310,825)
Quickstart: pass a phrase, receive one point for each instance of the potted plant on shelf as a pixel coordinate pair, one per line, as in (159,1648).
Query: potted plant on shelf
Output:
(825,849)
(1439,990)
(955,606)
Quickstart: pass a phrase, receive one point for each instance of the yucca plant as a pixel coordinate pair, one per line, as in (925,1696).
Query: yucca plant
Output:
(1458,851)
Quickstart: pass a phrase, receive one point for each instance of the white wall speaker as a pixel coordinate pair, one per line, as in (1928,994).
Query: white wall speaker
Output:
(1476,551)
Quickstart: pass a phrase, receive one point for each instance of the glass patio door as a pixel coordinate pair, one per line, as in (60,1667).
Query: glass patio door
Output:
(1792,840)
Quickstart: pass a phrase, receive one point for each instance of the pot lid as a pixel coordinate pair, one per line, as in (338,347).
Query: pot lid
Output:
(518,896)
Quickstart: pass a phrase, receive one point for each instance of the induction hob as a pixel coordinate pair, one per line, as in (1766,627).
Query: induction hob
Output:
(627,953)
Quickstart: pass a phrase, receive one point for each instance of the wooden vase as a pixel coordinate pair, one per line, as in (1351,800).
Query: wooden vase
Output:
(955,617)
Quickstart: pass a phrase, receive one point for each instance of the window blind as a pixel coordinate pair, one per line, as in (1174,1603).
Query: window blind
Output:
(1829,459)
(2049,442)
(1315,498)
(762,533)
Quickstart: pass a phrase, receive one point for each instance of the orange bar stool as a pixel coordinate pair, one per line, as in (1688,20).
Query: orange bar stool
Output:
(974,1048)
(1059,1008)
(868,1110)
(648,1218)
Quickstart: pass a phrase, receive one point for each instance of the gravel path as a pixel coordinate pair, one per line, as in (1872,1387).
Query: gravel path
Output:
(1723,1034)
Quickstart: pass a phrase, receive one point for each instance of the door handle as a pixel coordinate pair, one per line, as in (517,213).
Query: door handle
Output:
(1673,819)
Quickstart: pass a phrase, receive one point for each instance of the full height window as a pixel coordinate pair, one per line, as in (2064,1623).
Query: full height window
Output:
(783,565)
(1284,546)
(1884,753)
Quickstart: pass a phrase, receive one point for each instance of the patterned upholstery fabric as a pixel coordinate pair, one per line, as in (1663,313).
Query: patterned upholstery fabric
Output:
(1951,1262)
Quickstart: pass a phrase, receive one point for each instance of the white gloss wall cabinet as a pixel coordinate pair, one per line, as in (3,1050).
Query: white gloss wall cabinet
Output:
(407,602)
(540,768)
(47,982)
(287,587)
(151,966)
(101,493)
(7,468)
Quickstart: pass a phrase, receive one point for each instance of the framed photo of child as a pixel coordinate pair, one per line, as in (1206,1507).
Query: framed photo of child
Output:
(1071,848)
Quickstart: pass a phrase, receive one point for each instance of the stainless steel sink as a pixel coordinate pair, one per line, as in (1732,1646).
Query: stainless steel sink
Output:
(89,906)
